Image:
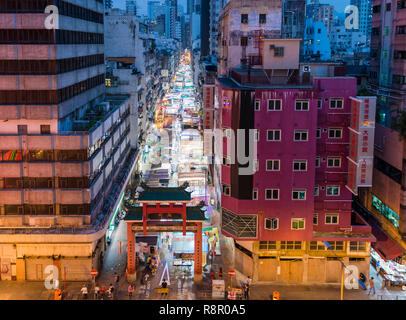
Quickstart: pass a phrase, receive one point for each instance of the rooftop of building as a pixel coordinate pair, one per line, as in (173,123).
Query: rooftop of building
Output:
(248,78)
(99,113)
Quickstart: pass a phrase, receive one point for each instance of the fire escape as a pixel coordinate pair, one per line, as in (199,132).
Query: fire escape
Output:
(256,60)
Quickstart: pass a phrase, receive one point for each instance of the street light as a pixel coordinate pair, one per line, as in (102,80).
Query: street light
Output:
(342,268)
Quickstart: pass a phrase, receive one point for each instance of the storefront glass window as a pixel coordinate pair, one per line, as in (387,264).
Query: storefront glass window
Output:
(387,212)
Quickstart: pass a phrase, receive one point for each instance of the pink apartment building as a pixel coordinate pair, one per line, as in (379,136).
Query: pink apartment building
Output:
(308,160)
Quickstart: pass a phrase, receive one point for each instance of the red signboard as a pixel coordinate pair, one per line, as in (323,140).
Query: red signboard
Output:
(94,273)
(231,273)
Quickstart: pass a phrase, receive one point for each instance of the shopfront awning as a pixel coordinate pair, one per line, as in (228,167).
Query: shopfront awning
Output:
(384,244)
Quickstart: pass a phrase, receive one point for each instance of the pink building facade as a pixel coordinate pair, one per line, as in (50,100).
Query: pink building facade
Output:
(298,197)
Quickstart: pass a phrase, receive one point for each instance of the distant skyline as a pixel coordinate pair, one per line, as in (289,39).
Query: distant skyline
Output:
(142,5)
(339,5)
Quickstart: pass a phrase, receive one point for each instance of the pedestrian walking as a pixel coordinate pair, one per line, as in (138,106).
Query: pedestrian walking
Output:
(84,292)
(102,292)
(111,291)
(371,285)
(116,278)
(130,291)
(249,281)
(221,273)
(96,292)
(164,285)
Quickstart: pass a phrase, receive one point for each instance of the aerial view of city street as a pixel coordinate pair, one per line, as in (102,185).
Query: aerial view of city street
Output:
(216,150)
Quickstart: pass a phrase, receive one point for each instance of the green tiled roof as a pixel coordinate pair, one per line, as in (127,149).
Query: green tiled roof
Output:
(192,214)
(134,213)
(164,194)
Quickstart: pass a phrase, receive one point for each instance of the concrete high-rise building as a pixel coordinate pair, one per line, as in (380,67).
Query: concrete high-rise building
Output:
(131,6)
(387,79)
(170,21)
(152,9)
(65,151)
(321,13)
(205,29)
(242,24)
(316,41)
(365,16)
(215,8)
(293,20)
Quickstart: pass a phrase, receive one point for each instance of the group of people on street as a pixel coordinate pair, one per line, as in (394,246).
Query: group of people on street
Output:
(101,292)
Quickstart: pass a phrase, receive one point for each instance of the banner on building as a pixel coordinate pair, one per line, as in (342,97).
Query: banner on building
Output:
(362,130)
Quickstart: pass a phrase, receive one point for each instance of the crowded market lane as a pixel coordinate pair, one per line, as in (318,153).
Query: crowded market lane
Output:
(173,156)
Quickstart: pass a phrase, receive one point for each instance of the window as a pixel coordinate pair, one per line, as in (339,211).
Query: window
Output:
(274,105)
(299,165)
(302,105)
(357,246)
(272,165)
(317,162)
(298,194)
(262,18)
(315,219)
(279,52)
(244,18)
(376,31)
(257,104)
(317,246)
(387,30)
(316,190)
(333,162)
(336,245)
(400,30)
(402,4)
(376,9)
(297,224)
(226,190)
(22,129)
(335,133)
(319,103)
(399,54)
(388,7)
(291,245)
(244,41)
(267,245)
(318,133)
(274,135)
(255,194)
(301,135)
(45,129)
(331,219)
(272,194)
(333,190)
(271,223)
(336,103)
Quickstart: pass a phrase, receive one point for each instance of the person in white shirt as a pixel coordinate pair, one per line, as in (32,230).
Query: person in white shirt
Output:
(84,291)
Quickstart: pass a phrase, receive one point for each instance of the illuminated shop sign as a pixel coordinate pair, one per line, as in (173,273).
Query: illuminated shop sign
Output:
(387,212)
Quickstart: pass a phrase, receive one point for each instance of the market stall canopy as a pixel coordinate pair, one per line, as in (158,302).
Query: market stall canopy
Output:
(387,247)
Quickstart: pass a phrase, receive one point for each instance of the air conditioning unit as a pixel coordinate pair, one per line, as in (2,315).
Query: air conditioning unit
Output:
(306,68)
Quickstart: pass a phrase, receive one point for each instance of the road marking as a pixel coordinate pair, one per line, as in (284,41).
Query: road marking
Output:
(166,269)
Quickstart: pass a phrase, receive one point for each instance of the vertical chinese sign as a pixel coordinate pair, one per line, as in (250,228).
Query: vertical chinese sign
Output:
(361,155)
